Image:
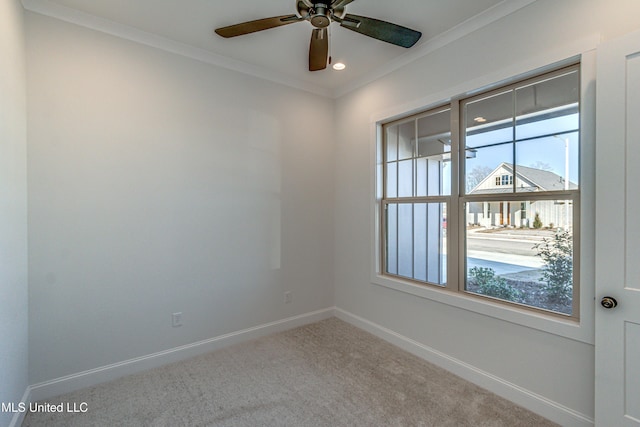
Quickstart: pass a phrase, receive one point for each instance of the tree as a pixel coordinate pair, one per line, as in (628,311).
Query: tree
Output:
(541,165)
(476,175)
(557,254)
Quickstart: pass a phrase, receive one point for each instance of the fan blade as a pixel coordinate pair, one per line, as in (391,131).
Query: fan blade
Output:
(381,30)
(257,25)
(319,49)
(340,3)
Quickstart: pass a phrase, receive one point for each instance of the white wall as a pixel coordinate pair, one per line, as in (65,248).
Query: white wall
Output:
(159,184)
(13,208)
(558,369)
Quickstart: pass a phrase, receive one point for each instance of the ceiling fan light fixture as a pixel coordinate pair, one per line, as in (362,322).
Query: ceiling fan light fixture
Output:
(339,66)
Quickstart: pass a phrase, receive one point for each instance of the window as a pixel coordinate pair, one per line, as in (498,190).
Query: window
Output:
(417,194)
(488,209)
(504,180)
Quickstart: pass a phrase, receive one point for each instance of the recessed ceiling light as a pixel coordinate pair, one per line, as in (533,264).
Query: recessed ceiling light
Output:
(339,66)
(479,120)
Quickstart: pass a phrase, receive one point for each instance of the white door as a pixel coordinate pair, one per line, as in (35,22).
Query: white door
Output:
(618,233)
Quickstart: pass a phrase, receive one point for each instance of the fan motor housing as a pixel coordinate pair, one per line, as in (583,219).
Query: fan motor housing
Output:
(321,17)
(318,13)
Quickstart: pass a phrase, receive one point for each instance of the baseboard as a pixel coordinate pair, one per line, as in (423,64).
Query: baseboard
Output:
(18,417)
(80,380)
(520,396)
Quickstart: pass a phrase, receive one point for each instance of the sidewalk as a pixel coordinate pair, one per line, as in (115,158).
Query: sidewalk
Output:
(524,234)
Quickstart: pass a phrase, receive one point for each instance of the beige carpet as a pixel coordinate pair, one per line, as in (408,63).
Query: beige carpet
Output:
(324,374)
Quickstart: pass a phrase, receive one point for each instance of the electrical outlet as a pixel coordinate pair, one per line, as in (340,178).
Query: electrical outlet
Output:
(287,297)
(176,319)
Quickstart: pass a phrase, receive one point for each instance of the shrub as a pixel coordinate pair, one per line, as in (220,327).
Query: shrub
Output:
(557,254)
(537,222)
(494,286)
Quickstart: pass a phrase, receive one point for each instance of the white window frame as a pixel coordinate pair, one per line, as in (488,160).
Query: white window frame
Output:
(579,330)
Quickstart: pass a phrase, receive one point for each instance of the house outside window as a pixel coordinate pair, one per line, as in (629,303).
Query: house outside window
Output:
(508,177)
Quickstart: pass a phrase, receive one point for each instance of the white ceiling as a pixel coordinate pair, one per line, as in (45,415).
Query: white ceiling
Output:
(283,51)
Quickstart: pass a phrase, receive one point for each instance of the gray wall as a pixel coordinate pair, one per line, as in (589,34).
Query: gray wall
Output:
(557,368)
(13,207)
(160,184)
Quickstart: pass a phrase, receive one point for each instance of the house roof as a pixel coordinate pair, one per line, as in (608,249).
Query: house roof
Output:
(539,180)
(546,180)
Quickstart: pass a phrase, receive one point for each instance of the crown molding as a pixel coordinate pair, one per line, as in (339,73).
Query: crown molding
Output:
(67,14)
(493,14)
(83,19)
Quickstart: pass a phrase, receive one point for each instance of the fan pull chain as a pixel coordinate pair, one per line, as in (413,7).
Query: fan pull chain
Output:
(330,44)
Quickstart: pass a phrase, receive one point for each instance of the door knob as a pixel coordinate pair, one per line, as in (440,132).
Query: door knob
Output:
(609,302)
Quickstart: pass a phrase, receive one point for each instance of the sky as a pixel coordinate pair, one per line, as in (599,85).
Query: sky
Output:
(548,150)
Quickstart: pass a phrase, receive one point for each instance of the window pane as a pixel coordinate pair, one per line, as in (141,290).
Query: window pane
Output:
(406,140)
(392,179)
(489,140)
(433,177)
(542,108)
(419,166)
(547,164)
(430,243)
(405,178)
(489,120)
(405,240)
(416,241)
(392,239)
(434,134)
(391,141)
(521,252)
(436,261)
(484,170)
(545,125)
(434,154)
(420,242)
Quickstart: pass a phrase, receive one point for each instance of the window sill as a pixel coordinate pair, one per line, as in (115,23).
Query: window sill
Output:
(567,328)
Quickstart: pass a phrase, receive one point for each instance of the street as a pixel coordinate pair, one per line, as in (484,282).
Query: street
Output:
(502,252)
(501,245)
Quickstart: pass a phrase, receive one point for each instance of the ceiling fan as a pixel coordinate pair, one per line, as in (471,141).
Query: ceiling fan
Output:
(320,13)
